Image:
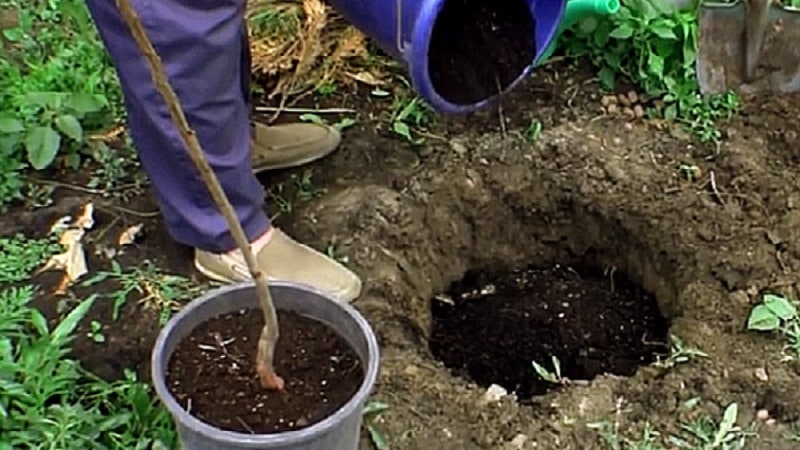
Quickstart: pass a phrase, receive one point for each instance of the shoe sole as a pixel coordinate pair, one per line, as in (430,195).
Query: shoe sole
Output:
(211,274)
(266,167)
(216,277)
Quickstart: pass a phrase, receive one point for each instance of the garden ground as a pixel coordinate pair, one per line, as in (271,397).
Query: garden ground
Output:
(547,179)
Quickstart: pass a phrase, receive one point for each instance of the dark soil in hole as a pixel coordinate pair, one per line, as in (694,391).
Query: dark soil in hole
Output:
(501,323)
(212,370)
(479,47)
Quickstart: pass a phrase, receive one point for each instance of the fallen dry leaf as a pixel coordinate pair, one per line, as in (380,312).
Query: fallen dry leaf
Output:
(86,219)
(73,260)
(365,77)
(129,235)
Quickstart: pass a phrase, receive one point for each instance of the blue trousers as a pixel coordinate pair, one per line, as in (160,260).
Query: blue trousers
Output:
(203,46)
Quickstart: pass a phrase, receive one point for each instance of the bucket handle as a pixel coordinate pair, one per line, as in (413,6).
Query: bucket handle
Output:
(398,4)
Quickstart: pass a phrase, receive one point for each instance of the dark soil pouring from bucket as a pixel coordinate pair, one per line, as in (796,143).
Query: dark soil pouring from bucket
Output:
(212,374)
(500,323)
(479,47)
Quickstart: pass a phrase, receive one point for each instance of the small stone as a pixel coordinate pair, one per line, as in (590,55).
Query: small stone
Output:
(739,298)
(762,415)
(518,443)
(628,112)
(494,394)
(411,370)
(608,100)
(612,108)
(633,97)
(761,374)
(628,126)
(623,100)
(458,147)
(638,111)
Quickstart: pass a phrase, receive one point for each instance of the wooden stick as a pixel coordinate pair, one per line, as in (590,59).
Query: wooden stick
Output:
(269,334)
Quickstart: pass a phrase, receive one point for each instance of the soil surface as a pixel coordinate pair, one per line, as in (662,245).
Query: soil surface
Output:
(479,48)
(491,326)
(212,374)
(479,195)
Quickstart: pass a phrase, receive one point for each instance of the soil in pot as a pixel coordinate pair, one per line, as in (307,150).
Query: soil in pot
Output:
(212,373)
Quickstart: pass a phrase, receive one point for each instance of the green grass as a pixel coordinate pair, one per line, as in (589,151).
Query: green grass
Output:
(47,400)
(655,49)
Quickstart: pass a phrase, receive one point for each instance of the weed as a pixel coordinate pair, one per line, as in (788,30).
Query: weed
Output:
(407,115)
(794,434)
(702,433)
(654,46)
(372,412)
(341,125)
(534,130)
(48,401)
(96,332)
(614,441)
(679,354)
(551,377)
(279,21)
(159,291)
(706,434)
(19,256)
(777,313)
(305,186)
(57,85)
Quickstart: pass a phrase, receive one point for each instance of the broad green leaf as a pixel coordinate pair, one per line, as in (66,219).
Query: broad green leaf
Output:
(607,78)
(42,144)
(13,34)
(10,125)
(780,306)
(402,129)
(763,319)
(51,100)
(664,31)
(655,64)
(83,103)
(69,125)
(623,31)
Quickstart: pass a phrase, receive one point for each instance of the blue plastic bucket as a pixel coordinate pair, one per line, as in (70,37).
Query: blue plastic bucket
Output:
(426,34)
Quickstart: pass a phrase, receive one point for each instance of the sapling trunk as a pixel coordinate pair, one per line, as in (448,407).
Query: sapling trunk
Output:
(269,335)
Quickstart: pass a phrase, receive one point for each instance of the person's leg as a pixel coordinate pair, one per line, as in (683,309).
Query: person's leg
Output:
(201,44)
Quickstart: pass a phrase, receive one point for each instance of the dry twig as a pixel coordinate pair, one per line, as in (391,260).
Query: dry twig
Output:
(269,335)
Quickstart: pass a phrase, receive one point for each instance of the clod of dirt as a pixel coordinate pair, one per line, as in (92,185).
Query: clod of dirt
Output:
(630,105)
(212,373)
(498,324)
(479,47)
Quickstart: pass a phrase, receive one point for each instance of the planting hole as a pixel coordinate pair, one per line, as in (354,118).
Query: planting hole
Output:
(479,47)
(490,327)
